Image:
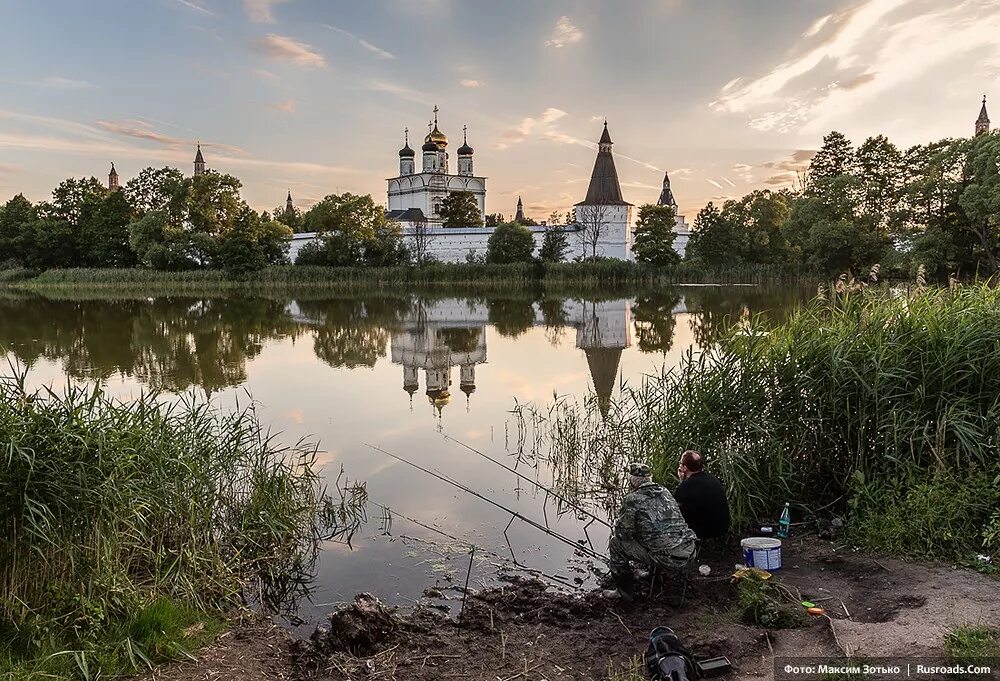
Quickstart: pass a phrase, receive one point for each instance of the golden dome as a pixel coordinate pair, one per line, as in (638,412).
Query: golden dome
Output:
(438,398)
(437,137)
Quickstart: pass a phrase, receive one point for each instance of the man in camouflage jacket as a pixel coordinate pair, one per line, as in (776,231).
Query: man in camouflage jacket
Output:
(650,530)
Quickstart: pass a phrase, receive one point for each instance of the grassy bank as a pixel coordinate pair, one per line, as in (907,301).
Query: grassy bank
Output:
(128,530)
(487,278)
(879,408)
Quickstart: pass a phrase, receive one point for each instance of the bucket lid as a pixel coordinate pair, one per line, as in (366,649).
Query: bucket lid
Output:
(760,543)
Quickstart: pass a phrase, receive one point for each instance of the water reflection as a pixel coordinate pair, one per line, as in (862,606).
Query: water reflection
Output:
(175,343)
(399,371)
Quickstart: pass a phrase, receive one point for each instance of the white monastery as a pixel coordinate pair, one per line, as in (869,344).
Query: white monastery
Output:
(603,225)
(604,218)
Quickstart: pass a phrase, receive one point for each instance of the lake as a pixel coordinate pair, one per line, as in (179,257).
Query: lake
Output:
(419,376)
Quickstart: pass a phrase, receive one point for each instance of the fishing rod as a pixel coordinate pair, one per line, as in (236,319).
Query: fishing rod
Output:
(545,489)
(514,514)
(460,540)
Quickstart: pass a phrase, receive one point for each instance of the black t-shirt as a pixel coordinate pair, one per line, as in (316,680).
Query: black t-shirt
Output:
(703,503)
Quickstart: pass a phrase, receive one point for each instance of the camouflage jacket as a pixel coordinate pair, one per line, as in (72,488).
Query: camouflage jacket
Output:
(651,516)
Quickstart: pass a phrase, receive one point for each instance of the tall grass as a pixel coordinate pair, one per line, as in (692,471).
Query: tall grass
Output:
(485,277)
(876,405)
(109,508)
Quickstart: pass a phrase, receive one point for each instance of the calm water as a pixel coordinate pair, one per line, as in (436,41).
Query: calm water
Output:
(401,373)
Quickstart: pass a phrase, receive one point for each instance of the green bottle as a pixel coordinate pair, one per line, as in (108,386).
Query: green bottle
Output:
(784,522)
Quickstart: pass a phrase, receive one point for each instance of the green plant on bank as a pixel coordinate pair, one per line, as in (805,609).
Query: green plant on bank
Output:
(124,524)
(477,276)
(633,670)
(874,404)
(758,603)
(967,641)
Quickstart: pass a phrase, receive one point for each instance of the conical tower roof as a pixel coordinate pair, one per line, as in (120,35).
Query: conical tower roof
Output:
(604,189)
(667,195)
(198,158)
(603,364)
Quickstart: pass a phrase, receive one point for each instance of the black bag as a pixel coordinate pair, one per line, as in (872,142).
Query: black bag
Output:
(666,657)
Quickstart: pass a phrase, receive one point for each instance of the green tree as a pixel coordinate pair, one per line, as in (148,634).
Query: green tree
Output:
(981,197)
(386,248)
(75,200)
(880,172)
(494,219)
(555,243)
(352,230)
(104,237)
(654,236)
(289,218)
(240,250)
(510,242)
(835,157)
(15,216)
(48,243)
(713,240)
(212,204)
(460,209)
(159,244)
(156,189)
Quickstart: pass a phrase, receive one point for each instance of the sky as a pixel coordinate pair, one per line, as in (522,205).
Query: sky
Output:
(312,96)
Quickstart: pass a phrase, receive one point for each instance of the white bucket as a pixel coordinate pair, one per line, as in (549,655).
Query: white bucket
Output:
(762,552)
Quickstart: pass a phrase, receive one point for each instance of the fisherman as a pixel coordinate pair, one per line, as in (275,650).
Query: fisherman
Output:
(702,498)
(649,531)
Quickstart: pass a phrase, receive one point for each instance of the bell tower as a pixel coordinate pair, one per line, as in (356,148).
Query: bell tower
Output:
(199,162)
(983,122)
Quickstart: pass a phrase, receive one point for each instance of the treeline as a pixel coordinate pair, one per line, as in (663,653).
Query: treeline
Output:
(935,204)
(160,220)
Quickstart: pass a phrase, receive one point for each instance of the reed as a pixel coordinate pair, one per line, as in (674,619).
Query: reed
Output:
(478,276)
(116,513)
(871,403)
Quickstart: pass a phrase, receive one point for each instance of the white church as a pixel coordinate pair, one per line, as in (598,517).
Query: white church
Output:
(603,226)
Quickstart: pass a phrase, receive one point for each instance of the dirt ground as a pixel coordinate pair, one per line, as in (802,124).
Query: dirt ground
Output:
(522,630)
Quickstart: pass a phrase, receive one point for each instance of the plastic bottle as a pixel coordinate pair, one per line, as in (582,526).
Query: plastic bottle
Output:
(784,522)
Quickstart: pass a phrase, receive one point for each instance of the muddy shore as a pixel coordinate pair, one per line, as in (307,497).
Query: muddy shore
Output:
(524,630)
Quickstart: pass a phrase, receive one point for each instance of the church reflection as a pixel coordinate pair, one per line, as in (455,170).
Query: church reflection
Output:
(178,343)
(438,337)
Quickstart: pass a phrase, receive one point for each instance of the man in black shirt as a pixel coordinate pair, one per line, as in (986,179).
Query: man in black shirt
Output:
(702,498)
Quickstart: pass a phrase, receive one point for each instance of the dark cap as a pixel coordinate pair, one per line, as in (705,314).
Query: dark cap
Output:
(640,470)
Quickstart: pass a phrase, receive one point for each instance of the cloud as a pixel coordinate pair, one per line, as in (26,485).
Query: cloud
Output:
(728,181)
(744,171)
(260,11)
(401,91)
(798,160)
(288,49)
(469,82)
(265,74)
(713,183)
(788,169)
(565,33)
(524,129)
(849,59)
(287,106)
(197,7)
(141,130)
(60,83)
(97,145)
(374,49)
(857,81)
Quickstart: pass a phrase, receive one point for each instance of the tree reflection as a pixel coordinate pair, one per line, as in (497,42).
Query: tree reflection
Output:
(716,308)
(654,321)
(353,332)
(511,317)
(165,343)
